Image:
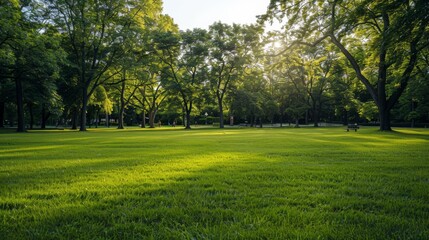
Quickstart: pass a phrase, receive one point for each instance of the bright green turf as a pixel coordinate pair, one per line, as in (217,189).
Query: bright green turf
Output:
(215,184)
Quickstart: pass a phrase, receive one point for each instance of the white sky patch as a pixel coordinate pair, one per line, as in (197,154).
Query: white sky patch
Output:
(189,14)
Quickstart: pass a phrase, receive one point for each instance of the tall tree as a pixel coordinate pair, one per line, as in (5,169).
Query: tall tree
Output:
(10,16)
(233,48)
(185,58)
(391,33)
(250,99)
(317,63)
(11,34)
(28,48)
(414,103)
(127,88)
(344,91)
(155,94)
(95,31)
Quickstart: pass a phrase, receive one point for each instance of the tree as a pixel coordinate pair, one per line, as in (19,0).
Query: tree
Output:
(392,34)
(185,58)
(154,96)
(11,33)
(232,49)
(68,87)
(295,87)
(152,92)
(95,31)
(30,53)
(344,91)
(10,16)
(100,101)
(414,103)
(250,99)
(42,67)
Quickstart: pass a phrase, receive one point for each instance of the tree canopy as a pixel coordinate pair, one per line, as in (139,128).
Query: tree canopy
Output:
(122,62)
(381,39)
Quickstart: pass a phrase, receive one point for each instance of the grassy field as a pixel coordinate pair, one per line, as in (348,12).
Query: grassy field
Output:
(305,183)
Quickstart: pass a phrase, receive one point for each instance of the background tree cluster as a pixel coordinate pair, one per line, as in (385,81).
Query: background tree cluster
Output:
(79,63)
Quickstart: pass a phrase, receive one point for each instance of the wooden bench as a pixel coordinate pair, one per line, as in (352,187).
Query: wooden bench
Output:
(352,126)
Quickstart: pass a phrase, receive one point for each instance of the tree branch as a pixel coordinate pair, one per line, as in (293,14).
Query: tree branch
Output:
(355,66)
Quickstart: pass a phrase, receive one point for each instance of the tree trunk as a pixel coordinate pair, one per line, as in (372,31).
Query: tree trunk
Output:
(143,119)
(83,109)
(121,117)
(345,116)
(30,110)
(152,116)
(74,118)
(143,109)
(384,119)
(306,117)
(122,107)
(97,117)
(188,109)
(45,117)
(19,103)
(412,110)
(221,117)
(2,107)
(184,118)
(316,114)
(379,94)
(89,116)
(188,119)
(42,119)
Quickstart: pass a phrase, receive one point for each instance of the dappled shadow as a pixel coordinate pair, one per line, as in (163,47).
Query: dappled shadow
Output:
(228,190)
(230,195)
(412,132)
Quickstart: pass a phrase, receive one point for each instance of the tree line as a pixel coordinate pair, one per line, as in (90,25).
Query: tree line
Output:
(83,62)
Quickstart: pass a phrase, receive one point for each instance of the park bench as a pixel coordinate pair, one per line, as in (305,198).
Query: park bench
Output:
(352,126)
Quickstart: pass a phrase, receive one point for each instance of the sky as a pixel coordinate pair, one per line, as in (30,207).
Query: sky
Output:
(189,14)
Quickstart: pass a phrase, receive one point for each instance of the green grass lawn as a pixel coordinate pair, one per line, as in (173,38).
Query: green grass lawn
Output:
(215,184)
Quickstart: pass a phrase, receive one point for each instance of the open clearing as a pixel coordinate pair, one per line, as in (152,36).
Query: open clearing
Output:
(215,184)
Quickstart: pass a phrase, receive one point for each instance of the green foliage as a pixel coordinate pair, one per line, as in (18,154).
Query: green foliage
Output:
(234,49)
(390,33)
(10,16)
(100,34)
(368,110)
(100,98)
(234,184)
(413,115)
(128,53)
(184,71)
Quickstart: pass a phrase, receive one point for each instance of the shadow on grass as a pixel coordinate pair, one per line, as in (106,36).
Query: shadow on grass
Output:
(229,195)
(7,130)
(412,132)
(223,185)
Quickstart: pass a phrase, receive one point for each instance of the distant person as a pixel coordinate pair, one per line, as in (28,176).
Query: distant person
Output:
(174,123)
